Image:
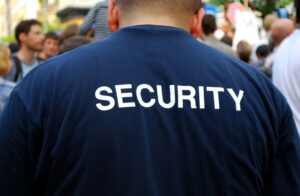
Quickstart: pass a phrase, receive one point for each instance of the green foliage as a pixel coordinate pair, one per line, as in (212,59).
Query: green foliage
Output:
(53,28)
(269,6)
(219,2)
(266,6)
(8,39)
(284,3)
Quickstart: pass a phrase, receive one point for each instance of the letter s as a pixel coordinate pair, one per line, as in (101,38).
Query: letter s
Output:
(101,97)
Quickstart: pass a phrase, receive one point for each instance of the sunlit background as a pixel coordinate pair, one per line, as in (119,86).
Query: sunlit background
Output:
(57,14)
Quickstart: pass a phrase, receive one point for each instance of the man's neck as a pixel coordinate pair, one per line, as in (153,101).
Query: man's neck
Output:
(26,55)
(162,21)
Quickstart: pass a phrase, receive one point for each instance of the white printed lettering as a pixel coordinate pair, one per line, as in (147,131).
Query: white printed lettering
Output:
(189,97)
(107,98)
(121,95)
(216,91)
(201,97)
(237,99)
(161,102)
(125,96)
(139,95)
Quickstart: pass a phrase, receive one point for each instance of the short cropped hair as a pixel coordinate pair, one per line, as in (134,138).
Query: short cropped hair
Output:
(52,35)
(209,24)
(73,43)
(244,51)
(69,31)
(24,27)
(268,21)
(262,51)
(175,7)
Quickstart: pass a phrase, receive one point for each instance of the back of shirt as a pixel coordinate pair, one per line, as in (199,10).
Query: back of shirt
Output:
(149,111)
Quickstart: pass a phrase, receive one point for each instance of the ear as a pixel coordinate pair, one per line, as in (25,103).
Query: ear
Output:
(197,23)
(113,16)
(22,37)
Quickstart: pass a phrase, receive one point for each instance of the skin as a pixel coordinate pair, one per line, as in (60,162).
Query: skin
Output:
(281,29)
(31,43)
(50,48)
(118,18)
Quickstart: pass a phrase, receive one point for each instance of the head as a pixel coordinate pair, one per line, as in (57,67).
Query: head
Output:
(268,21)
(280,29)
(70,31)
(4,60)
(51,44)
(185,14)
(209,24)
(244,51)
(262,51)
(29,34)
(74,42)
(227,40)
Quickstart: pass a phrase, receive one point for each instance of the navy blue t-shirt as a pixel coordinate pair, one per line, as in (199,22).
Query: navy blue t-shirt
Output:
(149,111)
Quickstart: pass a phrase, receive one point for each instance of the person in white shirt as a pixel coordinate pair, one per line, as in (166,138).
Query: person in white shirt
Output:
(280,30)
(286,68)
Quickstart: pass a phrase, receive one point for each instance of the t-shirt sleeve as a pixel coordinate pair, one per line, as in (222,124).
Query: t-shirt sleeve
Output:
(283,176)
(17,139)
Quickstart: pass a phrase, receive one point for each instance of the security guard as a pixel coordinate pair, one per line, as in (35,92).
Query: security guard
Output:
(149,111)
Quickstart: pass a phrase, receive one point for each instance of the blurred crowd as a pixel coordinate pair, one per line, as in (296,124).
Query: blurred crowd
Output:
(242,34)
(248,36)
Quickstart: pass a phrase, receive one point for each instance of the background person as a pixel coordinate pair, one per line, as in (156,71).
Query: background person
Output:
(286,68)
(51,46)
(244,51)
(73,43)
(280,29)
(69,31)
(209,27)
(96,20)
(30,39)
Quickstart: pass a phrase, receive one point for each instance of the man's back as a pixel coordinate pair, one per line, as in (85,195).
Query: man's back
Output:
(149,111)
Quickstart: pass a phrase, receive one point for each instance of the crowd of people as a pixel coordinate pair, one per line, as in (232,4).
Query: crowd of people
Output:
(271,48)
(33,47)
